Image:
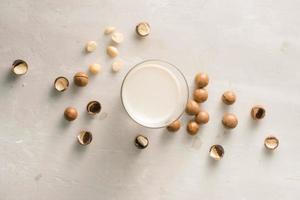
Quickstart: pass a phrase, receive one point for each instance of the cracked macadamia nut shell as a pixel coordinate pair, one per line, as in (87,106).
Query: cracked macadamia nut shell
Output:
(81,79)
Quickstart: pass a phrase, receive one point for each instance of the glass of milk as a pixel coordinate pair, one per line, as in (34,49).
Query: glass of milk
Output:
(154,93)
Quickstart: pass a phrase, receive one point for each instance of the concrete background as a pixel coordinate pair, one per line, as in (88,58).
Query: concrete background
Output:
(251,47)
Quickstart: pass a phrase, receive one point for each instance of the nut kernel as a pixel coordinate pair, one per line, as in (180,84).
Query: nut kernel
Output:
(81,79)
(228,97)
(200,95)
(117,37)
(229,120)
(258,112)
(61,84)
(193,127)
(95,68)
(112,51)
(93,107)
(141,142)
(174,126)
(109,30)
(91,46)
(116,66)
(271,142)
(142,29)
(201,80)
(202,117)
(70,113)
(84,138)
(19,67)
(216,152)
(192,107)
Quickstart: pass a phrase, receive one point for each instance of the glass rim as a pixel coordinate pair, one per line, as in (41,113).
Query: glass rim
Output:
(154,60)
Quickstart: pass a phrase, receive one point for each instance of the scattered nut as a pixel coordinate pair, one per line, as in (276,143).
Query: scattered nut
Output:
(258,112)
(84,138)
(202,117)
(192,107)
(216,152)
(70,113)
(174,126)
(117,37)
(93,107)
(200,95)
(91,46)
(143,29)
(228,97)
(112,51)
(81,79)
(192,127)
(201,80)
(141,142)
(95,68)
(61,84)
(109,30)
(116,66)
(19,67)
(271,142)
(230,120)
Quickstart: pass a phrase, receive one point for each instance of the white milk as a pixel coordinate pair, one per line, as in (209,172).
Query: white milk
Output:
(151,95)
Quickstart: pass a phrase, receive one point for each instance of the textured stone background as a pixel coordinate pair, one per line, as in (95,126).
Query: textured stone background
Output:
(251,47)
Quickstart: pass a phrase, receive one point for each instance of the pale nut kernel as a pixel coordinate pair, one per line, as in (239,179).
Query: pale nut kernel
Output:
(229,120)
(116,66)
(192,128)
(202,117)
(200,95)
(201,80)
(109,30)
(192,107)
(117,37)
(229,97)
(91,46)
(112,51)
(174,126)
(95,68)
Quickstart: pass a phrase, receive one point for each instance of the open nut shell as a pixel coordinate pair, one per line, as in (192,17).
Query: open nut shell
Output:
(93,107)
(61,84)
(84,138)
(19,67)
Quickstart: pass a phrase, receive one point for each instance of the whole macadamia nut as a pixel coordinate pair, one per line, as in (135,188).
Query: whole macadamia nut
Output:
(192,127)
(200,95)
(201,80)
(70,113)
(174,126)
(229,120)
(229,97)
(202,117)
(192,107)
(81,79)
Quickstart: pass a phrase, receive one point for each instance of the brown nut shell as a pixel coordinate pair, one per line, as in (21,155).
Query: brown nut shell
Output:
(93,107)
(84,138)
(201,80)
(200,95)
(61,84)
(19,67)
(229,97)
(229,120)
(174,126)
(141,142)
(81,79)
(192,128)
(216,152)
(192,107)
(202,117)
(70,113)
(258,112)
(271,142)
(142,29)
